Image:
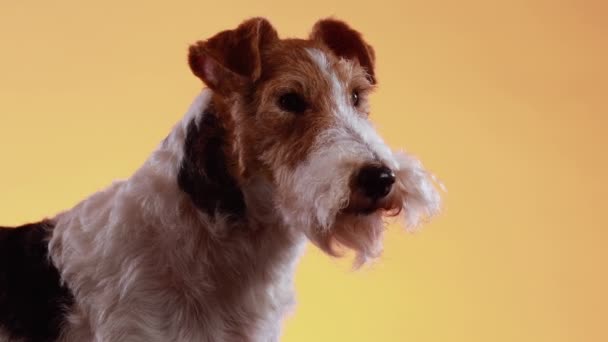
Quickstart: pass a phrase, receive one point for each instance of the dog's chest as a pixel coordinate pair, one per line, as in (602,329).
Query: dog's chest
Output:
(239,289)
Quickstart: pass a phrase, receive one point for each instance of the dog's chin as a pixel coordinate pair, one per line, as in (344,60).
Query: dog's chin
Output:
(358,227)
(360,232)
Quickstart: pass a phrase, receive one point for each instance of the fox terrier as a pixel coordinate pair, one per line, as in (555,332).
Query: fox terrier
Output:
(202,241)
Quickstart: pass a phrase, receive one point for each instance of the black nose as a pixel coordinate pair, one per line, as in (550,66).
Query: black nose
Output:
(375,181)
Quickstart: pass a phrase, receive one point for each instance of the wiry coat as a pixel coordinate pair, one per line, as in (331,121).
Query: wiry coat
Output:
(201,243)
(145,264)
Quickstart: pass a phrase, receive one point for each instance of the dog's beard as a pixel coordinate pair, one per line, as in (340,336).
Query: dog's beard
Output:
(415,192)
(318,202)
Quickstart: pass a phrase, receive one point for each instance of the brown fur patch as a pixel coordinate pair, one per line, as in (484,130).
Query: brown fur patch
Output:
(256,68)
(345,42)
(282,138)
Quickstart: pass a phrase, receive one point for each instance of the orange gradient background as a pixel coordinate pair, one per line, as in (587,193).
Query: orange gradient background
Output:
(507,102)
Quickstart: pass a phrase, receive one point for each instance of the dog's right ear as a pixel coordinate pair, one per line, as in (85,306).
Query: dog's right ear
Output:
(231,60)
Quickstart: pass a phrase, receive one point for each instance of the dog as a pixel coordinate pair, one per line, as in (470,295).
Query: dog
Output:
(202,241)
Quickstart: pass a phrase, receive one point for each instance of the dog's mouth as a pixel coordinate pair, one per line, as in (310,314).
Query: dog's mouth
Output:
(362,208)
(359,211)
(359,204)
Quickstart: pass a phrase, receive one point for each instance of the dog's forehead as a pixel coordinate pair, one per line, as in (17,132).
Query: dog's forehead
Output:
(304,60)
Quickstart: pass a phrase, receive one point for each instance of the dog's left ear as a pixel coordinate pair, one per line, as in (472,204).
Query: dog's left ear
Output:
(232,59)
(345,42)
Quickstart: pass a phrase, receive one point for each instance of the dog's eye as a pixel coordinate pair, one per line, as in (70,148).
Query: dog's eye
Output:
(293,103)
(355,98)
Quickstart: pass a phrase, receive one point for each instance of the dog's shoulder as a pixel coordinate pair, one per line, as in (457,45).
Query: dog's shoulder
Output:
(33,302)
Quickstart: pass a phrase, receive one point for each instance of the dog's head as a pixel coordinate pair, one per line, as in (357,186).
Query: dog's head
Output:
(297,113)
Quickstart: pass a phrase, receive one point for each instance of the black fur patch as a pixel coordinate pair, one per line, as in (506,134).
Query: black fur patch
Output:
(33,303)
(204,173)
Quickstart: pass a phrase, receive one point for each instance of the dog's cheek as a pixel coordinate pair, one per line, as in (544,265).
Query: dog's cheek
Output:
(286,142)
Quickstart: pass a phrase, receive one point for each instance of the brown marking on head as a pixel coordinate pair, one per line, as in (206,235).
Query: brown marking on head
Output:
(294,113)
(250,68)
(230,61)
(346,43)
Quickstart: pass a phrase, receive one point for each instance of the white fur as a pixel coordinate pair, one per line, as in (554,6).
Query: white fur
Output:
(144,264)
(320,184)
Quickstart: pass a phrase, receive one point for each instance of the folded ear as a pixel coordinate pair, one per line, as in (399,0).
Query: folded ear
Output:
(231,59)
(345,42)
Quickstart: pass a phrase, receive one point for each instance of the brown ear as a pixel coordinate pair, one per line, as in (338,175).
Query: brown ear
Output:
(231,59)
(346,43)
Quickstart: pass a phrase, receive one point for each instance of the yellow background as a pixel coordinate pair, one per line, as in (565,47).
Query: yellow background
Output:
(505,101)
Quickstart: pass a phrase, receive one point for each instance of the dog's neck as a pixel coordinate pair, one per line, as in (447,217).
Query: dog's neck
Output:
(207,238)
(207,168)
(212,172)
(200,168)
